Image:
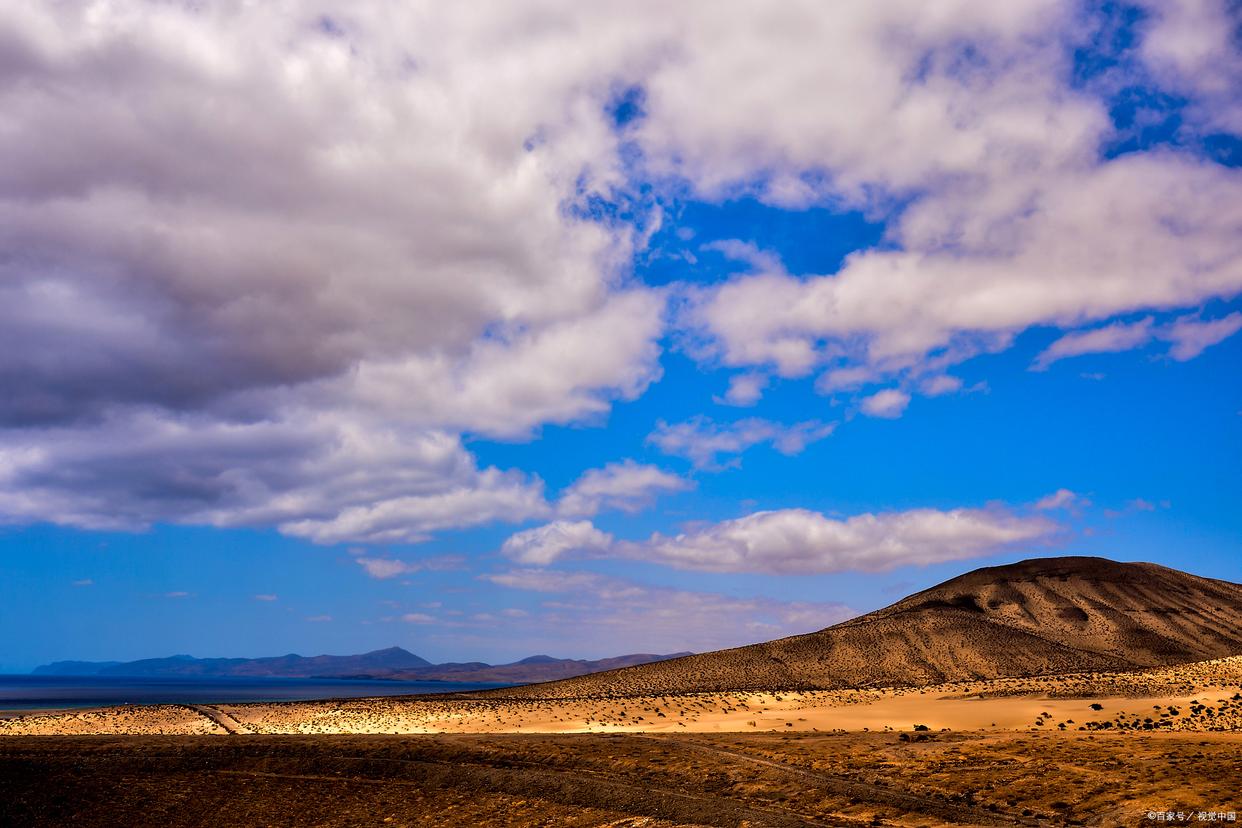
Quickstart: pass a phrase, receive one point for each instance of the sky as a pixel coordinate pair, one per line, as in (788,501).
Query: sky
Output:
(579,328)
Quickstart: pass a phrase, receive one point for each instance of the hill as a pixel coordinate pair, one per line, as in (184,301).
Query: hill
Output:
(1036,617)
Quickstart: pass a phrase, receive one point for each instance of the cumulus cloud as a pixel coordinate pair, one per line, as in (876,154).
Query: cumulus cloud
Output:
(626,486)
(1191,46)
(789,541)
(1060,499)
(710,445)
(319,477)
(1015,219)
(290,230)
(268,276)
(796,541)
(744,389)
(889,403)
(507,385)
(266,271)
(544,544)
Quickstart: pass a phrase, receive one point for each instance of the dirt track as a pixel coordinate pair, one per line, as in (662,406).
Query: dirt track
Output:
(230,725)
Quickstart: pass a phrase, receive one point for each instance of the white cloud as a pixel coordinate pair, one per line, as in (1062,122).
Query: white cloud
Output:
(1014,218)
(83,582)
(1060,499)
(265,596)
(1191,336)
(1191,46)
(940,385)
(418,618)
(506,386)
(1120,336)
(544,544)
(787,541)
(745,389)
(177,594)
(889,403)
(324,478)
(710,445)
(798,541)
(545,580)
(290,251)
(319,619)
(627,486)
(385,567)
(281,308)
(1132,234)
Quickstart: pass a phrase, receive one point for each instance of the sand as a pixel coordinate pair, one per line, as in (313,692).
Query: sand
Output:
(1201,697)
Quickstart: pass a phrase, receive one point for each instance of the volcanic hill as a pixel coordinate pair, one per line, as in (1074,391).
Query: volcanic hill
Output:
(1036,617)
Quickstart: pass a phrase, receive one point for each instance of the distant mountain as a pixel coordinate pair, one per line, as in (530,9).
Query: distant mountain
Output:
(1037,617)
(532,669)
(393,663)
(288,666)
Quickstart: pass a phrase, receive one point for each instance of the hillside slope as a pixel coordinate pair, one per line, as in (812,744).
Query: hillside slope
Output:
(1036,617)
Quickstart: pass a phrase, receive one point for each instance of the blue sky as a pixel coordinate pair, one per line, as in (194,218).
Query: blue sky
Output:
(700,338)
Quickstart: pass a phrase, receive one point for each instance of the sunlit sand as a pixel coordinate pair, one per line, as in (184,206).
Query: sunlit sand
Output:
(1203,697)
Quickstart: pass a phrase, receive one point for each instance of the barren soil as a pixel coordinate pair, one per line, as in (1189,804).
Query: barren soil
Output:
(631,780)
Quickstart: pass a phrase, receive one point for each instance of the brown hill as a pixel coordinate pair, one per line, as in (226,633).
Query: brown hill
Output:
(1036,617)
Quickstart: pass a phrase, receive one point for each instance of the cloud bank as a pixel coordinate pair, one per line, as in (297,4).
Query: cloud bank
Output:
(800,541)
(268,264)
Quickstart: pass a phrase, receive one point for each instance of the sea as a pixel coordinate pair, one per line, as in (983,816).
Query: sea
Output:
(26,692)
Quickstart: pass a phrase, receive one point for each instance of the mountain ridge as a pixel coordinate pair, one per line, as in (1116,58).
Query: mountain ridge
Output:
(391,663)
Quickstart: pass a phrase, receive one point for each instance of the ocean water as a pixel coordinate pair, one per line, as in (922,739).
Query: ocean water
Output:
(49,692)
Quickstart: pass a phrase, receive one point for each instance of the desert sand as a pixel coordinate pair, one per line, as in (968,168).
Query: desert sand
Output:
(1200,697)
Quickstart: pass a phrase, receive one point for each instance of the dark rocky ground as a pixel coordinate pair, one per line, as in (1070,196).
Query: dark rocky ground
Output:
(595,780)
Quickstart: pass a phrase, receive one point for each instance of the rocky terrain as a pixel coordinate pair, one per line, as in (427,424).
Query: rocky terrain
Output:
(762,780)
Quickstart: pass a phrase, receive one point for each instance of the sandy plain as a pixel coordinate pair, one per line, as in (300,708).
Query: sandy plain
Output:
(1200,697)
(1082,749)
